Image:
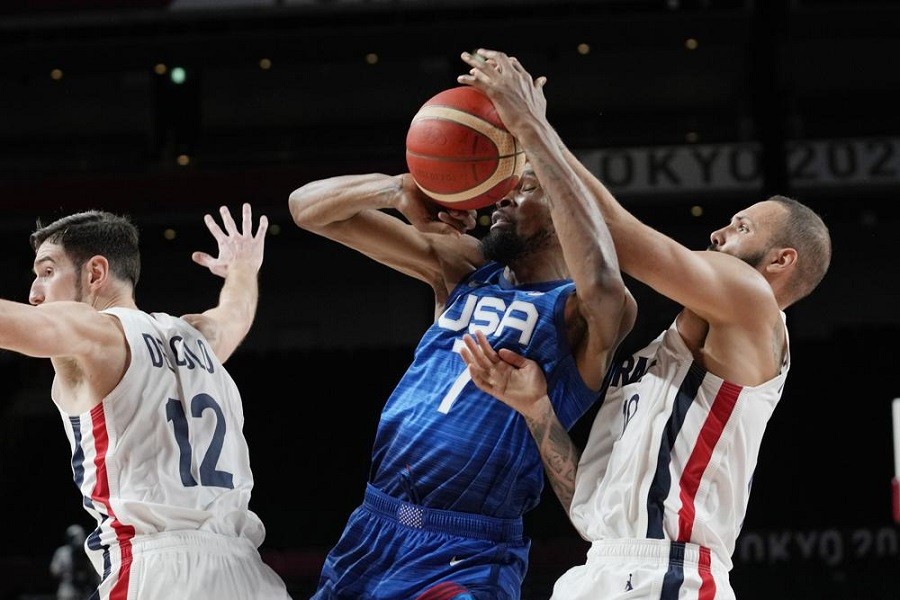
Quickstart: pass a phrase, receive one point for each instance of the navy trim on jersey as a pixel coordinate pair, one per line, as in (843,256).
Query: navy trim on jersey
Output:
(662,480)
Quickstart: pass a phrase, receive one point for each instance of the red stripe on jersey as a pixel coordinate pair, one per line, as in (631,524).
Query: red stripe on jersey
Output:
(706,442)
(708,585)
(100,494)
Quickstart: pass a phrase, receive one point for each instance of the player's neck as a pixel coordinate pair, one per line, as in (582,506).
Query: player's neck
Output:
(532,271)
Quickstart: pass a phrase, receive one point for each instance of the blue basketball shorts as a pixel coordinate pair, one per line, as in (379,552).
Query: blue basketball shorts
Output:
(394,550)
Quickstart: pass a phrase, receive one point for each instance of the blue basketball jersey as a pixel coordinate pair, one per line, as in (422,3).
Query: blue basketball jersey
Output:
(441,442)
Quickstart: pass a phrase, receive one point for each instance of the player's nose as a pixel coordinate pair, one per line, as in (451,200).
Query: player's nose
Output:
(35,296)
(509,199)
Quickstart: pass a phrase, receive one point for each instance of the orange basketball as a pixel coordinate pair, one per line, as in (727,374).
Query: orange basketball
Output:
(460,153)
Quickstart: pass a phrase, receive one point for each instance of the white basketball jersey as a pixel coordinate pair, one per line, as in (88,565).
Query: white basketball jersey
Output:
(165,450)
(672,451)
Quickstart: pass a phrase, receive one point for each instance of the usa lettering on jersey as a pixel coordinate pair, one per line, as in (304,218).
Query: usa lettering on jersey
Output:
(492,316)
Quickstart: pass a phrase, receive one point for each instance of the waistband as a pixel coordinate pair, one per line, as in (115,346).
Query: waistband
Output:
(442,521)
(664,551)
(207,540)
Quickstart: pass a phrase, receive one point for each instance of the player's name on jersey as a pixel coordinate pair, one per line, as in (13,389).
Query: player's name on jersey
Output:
(850,162)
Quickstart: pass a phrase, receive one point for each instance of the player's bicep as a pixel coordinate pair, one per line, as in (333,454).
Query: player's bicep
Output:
(714,285)
(57,329)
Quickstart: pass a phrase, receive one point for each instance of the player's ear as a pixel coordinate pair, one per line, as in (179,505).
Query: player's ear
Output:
(783,260)
(97,268)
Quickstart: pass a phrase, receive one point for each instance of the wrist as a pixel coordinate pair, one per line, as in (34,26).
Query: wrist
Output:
(244,268)
(397,189)
(539,409)
(533,133)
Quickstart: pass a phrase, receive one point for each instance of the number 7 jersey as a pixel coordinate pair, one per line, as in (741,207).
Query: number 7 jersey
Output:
(165,450)
(443,443)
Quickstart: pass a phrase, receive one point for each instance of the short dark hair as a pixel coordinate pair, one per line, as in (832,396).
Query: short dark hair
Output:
(91,233)
(806,232)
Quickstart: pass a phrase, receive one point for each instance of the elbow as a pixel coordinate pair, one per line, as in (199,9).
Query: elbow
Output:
(298,206)
(302,204)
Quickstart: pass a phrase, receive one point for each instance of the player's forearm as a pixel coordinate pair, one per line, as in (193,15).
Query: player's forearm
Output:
(638,246)
(615,214)
(320,203)
(17,322)
(558,452)
(577,216)
(236,309)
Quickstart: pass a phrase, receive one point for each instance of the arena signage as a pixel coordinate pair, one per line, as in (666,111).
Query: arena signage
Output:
(851,162)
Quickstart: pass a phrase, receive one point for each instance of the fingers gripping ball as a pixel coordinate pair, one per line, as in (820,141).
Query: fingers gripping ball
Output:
(459,152)
(446,591)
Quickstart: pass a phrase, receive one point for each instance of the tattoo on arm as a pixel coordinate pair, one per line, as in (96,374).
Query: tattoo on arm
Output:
(558,453)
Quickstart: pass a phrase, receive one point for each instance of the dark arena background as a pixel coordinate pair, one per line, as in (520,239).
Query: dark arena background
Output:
(688,109)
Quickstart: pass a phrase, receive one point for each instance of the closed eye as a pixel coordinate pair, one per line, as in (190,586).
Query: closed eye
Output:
(529,183)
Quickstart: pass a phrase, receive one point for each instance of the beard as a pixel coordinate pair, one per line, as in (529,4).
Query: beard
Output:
(506,247)
(754,259)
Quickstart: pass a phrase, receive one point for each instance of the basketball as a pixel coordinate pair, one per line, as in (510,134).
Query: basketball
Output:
(459,152)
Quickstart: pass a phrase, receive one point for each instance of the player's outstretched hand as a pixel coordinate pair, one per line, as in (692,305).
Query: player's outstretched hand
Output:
(234,245)
(517,96)
(513,379)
